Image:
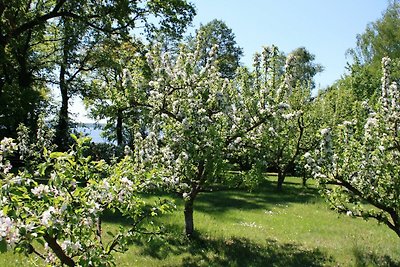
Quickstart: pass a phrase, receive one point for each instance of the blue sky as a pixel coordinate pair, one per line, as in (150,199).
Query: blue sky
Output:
(327,28)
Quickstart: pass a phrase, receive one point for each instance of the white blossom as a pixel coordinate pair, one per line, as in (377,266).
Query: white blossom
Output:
(325,131)
(47,216)
(41,190)
(74,246)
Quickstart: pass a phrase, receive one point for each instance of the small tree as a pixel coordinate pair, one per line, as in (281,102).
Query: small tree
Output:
(357,163)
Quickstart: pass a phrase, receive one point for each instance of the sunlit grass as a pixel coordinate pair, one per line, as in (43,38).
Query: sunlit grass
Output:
(261,228)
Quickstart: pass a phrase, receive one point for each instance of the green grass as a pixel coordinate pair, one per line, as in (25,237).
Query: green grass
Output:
(262,228)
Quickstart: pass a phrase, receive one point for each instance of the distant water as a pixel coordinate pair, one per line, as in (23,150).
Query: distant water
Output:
(92,130)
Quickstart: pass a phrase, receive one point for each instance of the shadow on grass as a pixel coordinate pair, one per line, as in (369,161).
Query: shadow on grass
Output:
(207,251)
(265,197)
(364,258)
(217,202)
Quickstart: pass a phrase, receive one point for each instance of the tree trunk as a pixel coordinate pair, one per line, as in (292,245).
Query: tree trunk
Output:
(61,138)
(62,126)
(281,179)
(119,127)
(189,225)
(189,201)
(305,179)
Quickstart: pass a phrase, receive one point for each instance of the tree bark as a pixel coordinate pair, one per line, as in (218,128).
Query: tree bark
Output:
(61,138)
(119,127)
(281,179)
(189,201)
(55,247)
(189,224)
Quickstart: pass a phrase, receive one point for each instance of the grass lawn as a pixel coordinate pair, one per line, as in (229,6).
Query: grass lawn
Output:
(261,228)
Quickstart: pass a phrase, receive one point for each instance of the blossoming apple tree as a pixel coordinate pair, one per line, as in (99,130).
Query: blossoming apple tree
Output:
(199,118)
(274,83)
(54,210)
(358,162)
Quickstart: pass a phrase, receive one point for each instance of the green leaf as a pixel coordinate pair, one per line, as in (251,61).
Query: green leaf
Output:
(110,233)
(41,241)
(6,209)
(55,155)
(73,136)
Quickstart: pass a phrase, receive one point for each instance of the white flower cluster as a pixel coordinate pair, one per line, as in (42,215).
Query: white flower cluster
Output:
(385,82)
(41,190)
(146,149)
(390,93)
(53,216)
(8,229)
(69,246)
(7,146)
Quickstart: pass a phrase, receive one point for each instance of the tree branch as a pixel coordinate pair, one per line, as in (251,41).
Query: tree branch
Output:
(254,126)
(33,250)
(55,247)
(341,182)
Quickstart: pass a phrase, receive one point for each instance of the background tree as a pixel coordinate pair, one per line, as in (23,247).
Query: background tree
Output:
(22,60)
(27,25)
(303,68)
(216,32)
(119,90)
(380,39)
(71,61)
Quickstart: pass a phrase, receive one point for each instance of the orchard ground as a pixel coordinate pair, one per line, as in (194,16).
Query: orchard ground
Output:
(259,228)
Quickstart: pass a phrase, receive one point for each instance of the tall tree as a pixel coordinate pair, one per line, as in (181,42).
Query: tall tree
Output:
(21,61)
(303,68)
(71,62)
(216,32)
(380,37)
(119,87)
(26,25)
